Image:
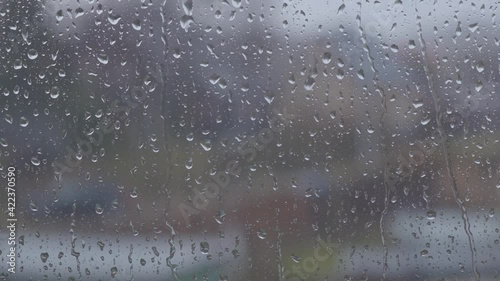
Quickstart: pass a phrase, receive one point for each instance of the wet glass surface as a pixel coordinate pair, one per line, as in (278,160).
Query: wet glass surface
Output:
(250,140)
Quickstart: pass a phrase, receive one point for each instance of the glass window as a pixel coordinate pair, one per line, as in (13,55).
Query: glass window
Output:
(249,140)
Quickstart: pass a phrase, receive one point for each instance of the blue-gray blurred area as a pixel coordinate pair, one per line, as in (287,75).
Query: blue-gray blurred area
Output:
(251,140)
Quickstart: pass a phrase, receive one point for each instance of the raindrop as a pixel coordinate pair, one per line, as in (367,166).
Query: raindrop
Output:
(204,247)
(418,103)
(114,270)
(206,144)
(103,58)
(59,15)
(219,217)
(79,12)
(261,233)
(9,119)
(18,64)
(136,24)
(188,7)
(98,209)
(327,57)
(134,193)
(32,54)
(361,74)
(33,207)
(186,21)
(431,215)
(23,121)
(214,79)
(44,257)
(295,259)
(480,67)
(35,161)
(309,84)
(114,19)
(411,44)
(100,244)
(236,3)
(54,92)
(426,120)
(473,27)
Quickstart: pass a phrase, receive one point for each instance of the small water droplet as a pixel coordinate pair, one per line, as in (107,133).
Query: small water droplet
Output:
(295,259)
(187,5)
(114,19)
(418,103)
(361,74)
(98,209)
(79,12)
(204,247)
(480,67)
(134,193)
(59,15)
(103,58)
(431,215)
(114,270)
(309,84)
(327,57)
(32,54)
(35,161)
(136,24)
(54,92)
(44,257)
(23,121)
(261,233)
(206,144)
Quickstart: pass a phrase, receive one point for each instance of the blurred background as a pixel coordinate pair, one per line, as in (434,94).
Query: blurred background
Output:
(251,140)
